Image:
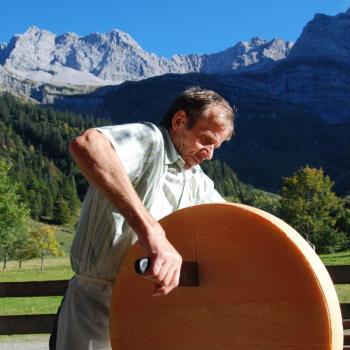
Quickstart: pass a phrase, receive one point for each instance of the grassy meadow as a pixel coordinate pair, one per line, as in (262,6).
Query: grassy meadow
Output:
(54,269)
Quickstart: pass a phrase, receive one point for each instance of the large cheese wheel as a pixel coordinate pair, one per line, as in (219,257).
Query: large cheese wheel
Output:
(262,287)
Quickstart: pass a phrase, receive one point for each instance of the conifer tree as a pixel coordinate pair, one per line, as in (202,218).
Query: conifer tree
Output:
(61,214)
(69,193)
(48,208)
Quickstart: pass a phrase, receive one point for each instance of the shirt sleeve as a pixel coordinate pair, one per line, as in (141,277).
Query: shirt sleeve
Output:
(137,145)
(206,192)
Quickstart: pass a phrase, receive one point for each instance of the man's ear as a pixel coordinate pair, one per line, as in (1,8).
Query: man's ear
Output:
(179,120)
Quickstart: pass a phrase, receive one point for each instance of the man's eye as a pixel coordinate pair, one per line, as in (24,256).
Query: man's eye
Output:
(206,140)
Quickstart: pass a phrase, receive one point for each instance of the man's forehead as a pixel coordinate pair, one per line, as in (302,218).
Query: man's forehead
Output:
(217,133)
(217,110)
(218,114)
(216,126)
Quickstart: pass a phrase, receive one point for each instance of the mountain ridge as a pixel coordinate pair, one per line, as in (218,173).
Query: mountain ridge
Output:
(114,57)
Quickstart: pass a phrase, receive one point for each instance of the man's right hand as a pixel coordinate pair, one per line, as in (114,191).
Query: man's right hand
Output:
(165,261)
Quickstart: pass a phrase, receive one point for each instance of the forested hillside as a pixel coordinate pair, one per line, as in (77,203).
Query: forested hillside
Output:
(35,141)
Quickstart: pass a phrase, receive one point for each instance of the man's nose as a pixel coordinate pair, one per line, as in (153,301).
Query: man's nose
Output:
(210,152)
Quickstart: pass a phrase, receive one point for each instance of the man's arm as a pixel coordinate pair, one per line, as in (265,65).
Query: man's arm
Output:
(102,167)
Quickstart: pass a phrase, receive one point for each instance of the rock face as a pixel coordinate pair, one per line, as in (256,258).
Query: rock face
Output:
(316,72)
(246,56)
(114,57)
(2,51)
(325,37)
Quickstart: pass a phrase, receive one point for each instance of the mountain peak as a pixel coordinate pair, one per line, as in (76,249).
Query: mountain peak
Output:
(33,31)
(117,32)
(256,40)
(325,37)
(70,34)
(121,37)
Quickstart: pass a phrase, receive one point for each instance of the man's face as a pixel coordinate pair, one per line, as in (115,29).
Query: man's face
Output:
(198,143)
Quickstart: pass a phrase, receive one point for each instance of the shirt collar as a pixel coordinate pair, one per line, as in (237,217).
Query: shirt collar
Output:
(171,155)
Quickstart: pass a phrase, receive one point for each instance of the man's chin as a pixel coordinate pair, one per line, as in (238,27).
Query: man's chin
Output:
(193,162)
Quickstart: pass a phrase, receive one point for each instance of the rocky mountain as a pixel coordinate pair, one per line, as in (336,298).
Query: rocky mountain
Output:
(316,73)
(293,112)
(325,37)
(114,57)
(246,56)
(293,101)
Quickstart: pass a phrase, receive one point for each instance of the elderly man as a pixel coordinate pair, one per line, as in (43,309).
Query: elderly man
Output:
(138,173)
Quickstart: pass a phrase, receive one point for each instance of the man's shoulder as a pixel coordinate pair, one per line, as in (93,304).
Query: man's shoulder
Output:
(152,131)
(147,126)
(141,130)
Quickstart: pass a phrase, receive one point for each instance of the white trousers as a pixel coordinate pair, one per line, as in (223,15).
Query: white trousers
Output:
(83,322)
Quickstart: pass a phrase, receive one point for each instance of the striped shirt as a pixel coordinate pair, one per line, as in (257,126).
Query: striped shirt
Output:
(157,173)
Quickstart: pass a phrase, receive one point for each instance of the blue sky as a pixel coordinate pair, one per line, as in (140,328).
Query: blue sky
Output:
(168,27)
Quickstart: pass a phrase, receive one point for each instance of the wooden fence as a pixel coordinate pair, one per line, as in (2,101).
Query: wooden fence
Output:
(34,324)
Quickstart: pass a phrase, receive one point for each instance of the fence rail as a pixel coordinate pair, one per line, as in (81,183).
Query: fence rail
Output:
(33,289)
(35,324)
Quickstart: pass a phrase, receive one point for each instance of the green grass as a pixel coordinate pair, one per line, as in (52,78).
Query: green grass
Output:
(23,338)
(342,258)
(343,292)
(54,269)
(29,306)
